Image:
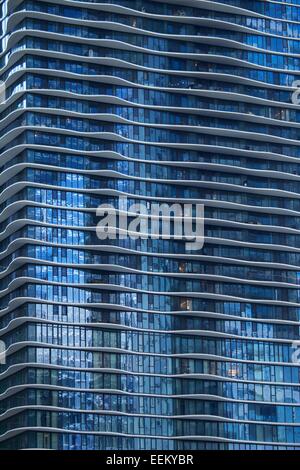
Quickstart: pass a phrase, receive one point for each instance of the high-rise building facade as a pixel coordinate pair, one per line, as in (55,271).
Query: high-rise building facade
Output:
(142,343)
